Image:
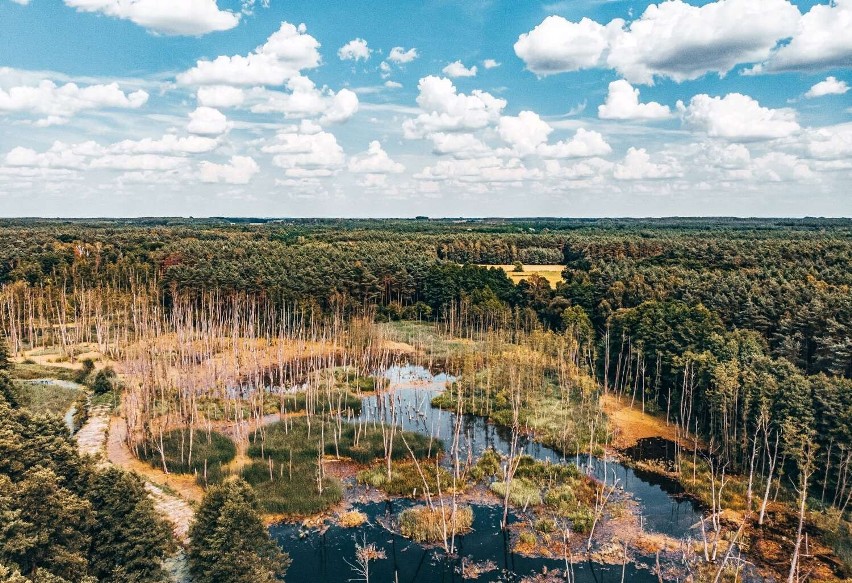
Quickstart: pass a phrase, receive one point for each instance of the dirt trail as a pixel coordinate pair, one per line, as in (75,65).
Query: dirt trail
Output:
(103,437)
(631,424)
(91,439)
(172,493)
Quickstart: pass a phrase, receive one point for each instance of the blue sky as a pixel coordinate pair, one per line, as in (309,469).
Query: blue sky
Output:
(442,108)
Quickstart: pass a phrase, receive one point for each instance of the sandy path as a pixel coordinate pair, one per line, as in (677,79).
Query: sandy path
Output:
(172,493)
(631,424)
(103,437)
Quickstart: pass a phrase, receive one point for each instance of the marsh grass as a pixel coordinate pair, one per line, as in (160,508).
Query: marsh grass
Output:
(406,480)
(46,398)
(428,525)
(209,451)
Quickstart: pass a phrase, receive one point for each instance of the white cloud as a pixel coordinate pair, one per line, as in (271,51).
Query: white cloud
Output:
(637,165)
(153,162)
(354,50)
(671,39)
(207,121)
(490,64)
(220,96)
(305,100)
(447,110)
(21,2)
(558,45)
(306,151)
(239,170)
(285,53)
(400,56)
(584,143)
(679,41)
(186,17)
(527,134)
(343,106)
(830,142)
(168,144)
(821,40)
(737,118)
(458,145)
(622,102)
(779,167)
(374,161)
(478,170)
(393,85)
(457,69)
(831,86)
(59,103)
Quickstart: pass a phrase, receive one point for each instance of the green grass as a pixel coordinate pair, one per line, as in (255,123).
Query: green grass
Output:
(211,450)
(49,398)
(29,370)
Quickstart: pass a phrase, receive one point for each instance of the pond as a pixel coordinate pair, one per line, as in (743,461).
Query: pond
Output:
(326,556)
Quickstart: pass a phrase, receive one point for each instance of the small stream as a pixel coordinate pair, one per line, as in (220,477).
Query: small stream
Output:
(323,557)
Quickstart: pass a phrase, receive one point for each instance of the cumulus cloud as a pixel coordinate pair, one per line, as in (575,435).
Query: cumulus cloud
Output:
(829,142)
(239,170)
(457,69)
(207,121)
(821,40)
(304,99)
(622,102)
(831,86)
(220,96)
(306,151)
(344,105)
(354,50)
(558,45)
(527,134)
(168,144)
(374,161)
(445,109)
(400,56)
(490,64)
(458,145)
(187,17)
(286,52)
(637,165)
(737,118)
(485,170)
(61,102)
(671,39)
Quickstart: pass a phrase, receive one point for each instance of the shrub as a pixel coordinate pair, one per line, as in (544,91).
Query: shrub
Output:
(487,466)
(405,479)
(582,519)
(423,524)
(522,492)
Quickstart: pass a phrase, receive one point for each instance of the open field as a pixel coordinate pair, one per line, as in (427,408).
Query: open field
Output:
(552,273)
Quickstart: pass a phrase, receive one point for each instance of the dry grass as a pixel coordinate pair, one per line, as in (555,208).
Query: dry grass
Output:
(552,273)
(351,519)
(424,524)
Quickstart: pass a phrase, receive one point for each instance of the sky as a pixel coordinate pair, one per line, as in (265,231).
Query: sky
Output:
(443,108)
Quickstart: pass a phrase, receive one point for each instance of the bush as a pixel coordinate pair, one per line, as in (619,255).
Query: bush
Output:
(487,466)
(104,381)
(522,492)
(582,520)
(423,524)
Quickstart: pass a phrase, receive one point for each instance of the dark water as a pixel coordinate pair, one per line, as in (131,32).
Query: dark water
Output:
(322,557)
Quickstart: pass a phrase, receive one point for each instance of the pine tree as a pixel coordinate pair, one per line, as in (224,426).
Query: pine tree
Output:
(130,542)
(228,541)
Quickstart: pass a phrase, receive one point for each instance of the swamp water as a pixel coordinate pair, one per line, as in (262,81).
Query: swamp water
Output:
(328,556)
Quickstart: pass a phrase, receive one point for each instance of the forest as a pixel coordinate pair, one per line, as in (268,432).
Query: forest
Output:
(238,369)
